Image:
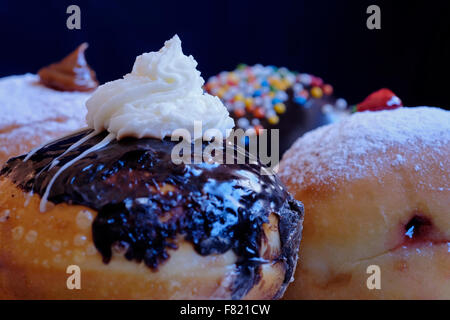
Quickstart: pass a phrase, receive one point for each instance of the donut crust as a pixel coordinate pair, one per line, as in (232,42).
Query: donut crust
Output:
(352,223)
(37,247)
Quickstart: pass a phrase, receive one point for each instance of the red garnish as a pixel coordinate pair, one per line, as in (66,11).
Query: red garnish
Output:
(383,99)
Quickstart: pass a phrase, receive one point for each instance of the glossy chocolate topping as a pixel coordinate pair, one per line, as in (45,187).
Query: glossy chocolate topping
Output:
(299,119)
(70,74)
(145,202)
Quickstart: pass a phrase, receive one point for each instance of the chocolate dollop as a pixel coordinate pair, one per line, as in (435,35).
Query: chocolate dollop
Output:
(71,73)
(145,202)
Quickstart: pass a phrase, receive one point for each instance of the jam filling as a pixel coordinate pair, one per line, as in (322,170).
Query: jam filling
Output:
(145,202)
(418,228)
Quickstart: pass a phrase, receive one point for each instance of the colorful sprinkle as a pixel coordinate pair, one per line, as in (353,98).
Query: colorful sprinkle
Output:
(243,123)
(327,89)
(280,108)
(221,92)
(316,82)
(341,104)
(273,120)
(316,92)
(259,113)
(300,100)
(239,113)
(258,95)
(304,94)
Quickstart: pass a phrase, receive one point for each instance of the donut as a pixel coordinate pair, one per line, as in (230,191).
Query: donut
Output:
(39,108)
(140,227)
(266,97)
(113,201)
(376,191)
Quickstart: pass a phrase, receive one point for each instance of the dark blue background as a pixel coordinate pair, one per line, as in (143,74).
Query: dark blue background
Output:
(410,54)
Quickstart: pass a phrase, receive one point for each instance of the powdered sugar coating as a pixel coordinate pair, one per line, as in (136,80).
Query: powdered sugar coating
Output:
(23,100)
(371,143)
(32,114)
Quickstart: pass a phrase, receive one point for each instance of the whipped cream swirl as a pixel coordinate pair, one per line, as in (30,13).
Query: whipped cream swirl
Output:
(162,93)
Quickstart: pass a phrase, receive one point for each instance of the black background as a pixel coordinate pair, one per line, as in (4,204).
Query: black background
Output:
(278,309)
(409,55)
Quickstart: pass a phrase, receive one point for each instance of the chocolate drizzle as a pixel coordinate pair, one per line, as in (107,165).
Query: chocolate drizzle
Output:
(145,202)
(70,74)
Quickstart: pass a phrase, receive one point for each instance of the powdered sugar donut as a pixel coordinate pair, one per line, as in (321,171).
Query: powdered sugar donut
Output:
(33,114)
(36,109)
(376,190)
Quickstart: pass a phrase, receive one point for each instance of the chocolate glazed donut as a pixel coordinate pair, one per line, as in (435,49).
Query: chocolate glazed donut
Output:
(215,207)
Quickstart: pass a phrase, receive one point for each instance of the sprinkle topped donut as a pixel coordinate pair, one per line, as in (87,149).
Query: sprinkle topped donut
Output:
(39,108)
(267,97)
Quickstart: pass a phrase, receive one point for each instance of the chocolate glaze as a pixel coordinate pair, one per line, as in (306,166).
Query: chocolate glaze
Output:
(297,120)
(215,207)
(70,74)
